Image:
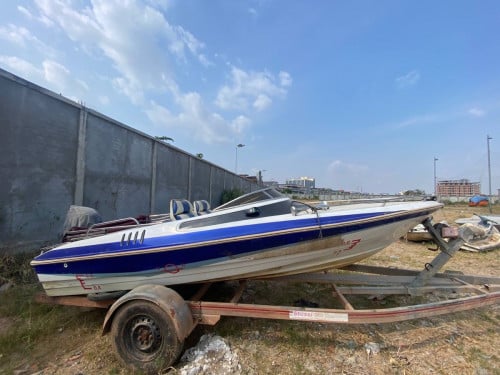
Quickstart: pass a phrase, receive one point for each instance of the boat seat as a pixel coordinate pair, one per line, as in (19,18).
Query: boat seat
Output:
(201,207)
(181,209)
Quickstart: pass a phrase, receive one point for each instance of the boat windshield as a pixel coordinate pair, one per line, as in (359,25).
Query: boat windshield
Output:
(254,196)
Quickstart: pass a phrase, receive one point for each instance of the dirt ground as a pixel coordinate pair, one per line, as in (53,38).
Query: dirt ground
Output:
(458,343)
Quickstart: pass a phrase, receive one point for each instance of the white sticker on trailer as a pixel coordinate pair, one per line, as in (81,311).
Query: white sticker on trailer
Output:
(318,316)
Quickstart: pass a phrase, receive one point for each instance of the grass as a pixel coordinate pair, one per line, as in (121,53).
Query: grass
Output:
(29,324)
(15,268)
(32,330)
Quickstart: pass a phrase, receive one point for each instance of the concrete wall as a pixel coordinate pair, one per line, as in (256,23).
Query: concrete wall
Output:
(55,152)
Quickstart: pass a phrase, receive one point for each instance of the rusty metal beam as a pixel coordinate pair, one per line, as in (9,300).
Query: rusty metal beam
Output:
(344,316)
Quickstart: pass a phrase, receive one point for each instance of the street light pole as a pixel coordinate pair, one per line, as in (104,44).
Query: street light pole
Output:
(261,172)
(435,183)
(239,145)
(489,171)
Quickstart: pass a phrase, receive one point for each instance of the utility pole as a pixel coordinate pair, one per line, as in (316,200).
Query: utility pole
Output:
(489,171)
(240,145)
(435,183)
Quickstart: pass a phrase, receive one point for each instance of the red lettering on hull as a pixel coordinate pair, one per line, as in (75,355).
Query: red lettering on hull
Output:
(172,268)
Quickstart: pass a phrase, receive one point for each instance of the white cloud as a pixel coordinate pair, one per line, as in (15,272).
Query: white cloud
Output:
(227,99)
(146,50)
(143,53)
(262,102)
(21,67)
(161,4)
(55,73)
(340,167)
(285,79)
(130,88)
(51,74)
(204,60)
(256,88)
(30,16)
(138,49)
(207,126)
(476,112)
(185,40)
(15,35)
(240,123)
(62,81)
(22,37)
(25,11)
(160,115)
(409,79)
(196,120)
(79,24)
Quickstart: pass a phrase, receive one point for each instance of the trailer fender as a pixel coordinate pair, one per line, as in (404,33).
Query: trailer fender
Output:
(165,298)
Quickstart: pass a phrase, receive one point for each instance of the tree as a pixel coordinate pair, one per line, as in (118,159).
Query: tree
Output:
(414,192)
(164,138)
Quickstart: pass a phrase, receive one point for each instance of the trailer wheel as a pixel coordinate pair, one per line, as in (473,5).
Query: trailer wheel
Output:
(144,336)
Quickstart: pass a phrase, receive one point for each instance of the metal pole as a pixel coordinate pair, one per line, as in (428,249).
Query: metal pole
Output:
(261,173)
(236,158)
(435,183)
(489,171)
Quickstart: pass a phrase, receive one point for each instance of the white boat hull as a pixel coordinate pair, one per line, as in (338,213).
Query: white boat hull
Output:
(320,254)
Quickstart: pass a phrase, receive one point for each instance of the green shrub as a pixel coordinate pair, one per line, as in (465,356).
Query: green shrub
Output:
(229,195)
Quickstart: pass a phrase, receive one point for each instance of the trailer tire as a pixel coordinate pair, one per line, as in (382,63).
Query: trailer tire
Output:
(144,337)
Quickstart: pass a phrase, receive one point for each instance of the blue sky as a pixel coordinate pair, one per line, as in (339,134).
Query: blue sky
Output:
(360,95)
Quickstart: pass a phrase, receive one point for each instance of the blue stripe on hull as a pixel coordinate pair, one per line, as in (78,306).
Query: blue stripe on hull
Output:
(174,258)
(154,261)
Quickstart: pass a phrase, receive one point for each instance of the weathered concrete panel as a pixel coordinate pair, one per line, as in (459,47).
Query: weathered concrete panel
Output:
(199,179)
(172,171)
(218,186)
(117,170)
(231,182)
(38,134)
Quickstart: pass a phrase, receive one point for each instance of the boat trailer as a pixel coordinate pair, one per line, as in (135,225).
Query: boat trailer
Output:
(150,323)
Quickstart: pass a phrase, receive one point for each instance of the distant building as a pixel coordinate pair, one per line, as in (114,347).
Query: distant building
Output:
(303,182)
(458,188)
(253,179)
(273,183)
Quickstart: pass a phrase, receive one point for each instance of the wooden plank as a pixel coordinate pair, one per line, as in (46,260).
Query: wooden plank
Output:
(201,292)
(80,301)
(239,292)
(342,298)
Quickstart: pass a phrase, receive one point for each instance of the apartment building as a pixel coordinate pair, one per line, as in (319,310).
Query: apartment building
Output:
(458,188)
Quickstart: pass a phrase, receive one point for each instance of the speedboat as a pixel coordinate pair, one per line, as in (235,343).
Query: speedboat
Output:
(261,234)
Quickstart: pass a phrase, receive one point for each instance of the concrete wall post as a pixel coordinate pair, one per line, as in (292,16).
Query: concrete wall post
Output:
(152,196)
(80,157)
